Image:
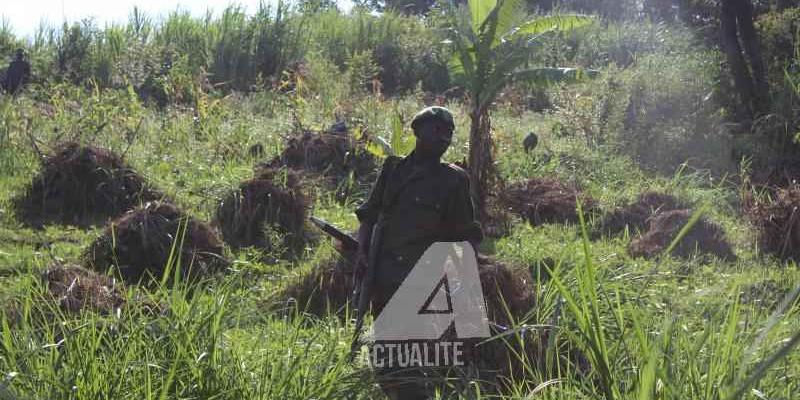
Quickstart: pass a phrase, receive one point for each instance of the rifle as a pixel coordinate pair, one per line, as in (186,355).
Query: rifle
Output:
(349,243)
(361,293)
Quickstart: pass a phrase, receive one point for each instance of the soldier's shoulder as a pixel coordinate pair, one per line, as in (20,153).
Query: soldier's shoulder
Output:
(391,161)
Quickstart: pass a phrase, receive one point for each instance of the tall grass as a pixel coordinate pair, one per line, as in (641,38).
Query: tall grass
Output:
(185,344)
(663,329)
(636,322)
(237,49)
(636,354)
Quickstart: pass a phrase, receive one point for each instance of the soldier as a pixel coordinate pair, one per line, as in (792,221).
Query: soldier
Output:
(416,201)
(530,142)
(18,73)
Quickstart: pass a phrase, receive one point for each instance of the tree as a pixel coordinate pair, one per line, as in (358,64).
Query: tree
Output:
(315,6)
(736,26)
(407,7)
(492,43)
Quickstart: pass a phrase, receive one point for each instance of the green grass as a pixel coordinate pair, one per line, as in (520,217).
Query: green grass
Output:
(650,329)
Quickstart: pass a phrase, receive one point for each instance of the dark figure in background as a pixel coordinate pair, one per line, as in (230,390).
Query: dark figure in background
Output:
(530,142)
(416,201)
(18,73)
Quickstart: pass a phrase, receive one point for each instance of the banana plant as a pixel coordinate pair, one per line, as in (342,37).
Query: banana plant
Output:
(400,143)
(492,41)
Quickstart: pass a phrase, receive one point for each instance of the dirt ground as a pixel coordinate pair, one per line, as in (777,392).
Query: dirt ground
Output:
(777,220)
(75,288)
(333,154)
(636,216)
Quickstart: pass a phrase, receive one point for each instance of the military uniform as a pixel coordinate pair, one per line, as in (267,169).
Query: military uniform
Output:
(412,207)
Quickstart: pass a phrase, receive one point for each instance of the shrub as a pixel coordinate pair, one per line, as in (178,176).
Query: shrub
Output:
(664,109)
(73,50)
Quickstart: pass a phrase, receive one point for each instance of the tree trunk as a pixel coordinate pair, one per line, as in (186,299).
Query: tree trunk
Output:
(747,32)
(482,170)
(733,53)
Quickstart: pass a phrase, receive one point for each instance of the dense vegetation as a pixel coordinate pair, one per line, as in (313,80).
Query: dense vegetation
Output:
(182,100)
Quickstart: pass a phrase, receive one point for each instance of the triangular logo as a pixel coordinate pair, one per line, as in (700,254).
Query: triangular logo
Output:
(446,277)
(439,301)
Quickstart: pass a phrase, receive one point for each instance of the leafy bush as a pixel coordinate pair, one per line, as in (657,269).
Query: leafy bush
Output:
(780,36)
(778,33)
(405,49)
(663,109)
(361,70)
(236,51)
(600,45)
(8,43)
(73,50)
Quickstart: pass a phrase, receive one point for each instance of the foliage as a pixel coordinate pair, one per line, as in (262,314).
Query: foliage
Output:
(778,32)
(780,36)
(399,6)
(362,71)
(660,103)
(646,329)
(8,43)
(237,50)
(73,51)
(491,43)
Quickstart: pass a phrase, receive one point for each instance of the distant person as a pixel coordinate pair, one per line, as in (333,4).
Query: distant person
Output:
(18,73)
(530,142)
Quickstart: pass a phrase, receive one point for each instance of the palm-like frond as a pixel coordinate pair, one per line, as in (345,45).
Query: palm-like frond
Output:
(508,13)
(546,76)
(491,43)
(479,11)
(550,23)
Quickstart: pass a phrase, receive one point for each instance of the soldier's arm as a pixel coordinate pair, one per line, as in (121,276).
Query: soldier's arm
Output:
(460,213)
(368,211)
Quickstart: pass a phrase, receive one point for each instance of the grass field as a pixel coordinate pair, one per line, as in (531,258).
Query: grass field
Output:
(665,328)
(658,328)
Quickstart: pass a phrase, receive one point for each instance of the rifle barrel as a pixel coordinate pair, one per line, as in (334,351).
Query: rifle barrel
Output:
(347,240)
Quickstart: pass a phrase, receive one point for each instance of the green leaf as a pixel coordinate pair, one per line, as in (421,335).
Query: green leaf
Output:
(546,76)
(456,67)
(501,75)
(462,65)
(551,23)
(378,147)
(508,12)
(479,10)
(401,142)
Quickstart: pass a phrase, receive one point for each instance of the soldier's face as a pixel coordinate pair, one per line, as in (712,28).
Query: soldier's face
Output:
(433,138)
